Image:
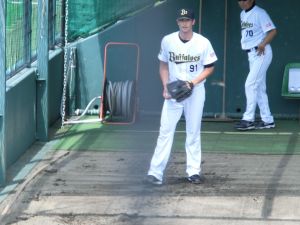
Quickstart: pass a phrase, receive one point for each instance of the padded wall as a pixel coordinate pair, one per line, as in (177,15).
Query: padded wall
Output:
(285,50)
(147,29)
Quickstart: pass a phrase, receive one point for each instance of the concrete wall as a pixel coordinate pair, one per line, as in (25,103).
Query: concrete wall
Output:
(56,65)
(21,106)
(21,118)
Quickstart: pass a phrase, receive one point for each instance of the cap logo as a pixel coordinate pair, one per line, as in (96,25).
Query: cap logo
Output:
(184,12)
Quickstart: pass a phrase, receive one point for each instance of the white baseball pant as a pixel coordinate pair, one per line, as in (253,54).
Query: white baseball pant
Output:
(171,113)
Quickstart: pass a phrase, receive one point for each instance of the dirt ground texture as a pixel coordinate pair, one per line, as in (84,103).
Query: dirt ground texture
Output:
(107,188)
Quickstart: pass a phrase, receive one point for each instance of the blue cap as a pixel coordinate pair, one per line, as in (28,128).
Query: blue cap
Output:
(185,14)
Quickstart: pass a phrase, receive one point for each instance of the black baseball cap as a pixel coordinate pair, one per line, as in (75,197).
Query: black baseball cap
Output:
(185,14)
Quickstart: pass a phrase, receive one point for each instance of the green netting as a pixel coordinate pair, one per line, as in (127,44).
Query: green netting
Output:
(20,35)
(87,17)
(14,34)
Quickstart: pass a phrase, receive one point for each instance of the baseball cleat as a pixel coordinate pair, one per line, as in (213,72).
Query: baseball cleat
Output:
(150,179)
(195,179)
(245,125)
(264,125)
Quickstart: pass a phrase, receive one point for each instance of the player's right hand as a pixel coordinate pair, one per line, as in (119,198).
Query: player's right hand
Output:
(260,50)
(166,94)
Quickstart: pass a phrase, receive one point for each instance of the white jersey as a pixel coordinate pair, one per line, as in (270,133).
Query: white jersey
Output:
(186,60)
(255,24)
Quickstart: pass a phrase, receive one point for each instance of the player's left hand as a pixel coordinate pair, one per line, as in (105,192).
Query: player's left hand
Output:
(180,89)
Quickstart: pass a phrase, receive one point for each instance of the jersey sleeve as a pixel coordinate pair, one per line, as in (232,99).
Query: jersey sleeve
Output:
(265,22)
(163,54)
(209,54)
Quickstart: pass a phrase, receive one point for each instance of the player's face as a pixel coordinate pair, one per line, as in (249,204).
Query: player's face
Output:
(245,4)
(185,25)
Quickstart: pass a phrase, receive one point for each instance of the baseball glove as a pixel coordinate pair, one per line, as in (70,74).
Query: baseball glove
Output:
(180,89)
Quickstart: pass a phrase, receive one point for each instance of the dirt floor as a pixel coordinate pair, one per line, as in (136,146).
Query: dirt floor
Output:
(88,187)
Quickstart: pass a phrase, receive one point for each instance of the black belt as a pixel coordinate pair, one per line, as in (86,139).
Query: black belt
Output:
(251,49)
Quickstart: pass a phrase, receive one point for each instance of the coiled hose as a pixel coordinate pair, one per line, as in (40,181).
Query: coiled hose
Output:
(120,100)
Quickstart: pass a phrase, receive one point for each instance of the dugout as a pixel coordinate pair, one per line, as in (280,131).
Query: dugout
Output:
(89,31)
(219,21)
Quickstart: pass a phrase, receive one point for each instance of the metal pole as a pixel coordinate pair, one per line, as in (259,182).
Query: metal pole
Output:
(63,21)
(200,15)
(27,32)
(2,92)
(42,70)
(223,115)
(51,23)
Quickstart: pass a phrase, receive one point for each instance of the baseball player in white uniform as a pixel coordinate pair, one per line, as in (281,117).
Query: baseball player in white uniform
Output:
(257,32)
(188,56)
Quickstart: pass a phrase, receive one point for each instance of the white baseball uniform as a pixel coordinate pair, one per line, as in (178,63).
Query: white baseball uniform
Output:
(255,23)
(185,61)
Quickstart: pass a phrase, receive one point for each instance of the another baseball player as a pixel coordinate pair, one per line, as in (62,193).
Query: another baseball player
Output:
(258,31)
(188,56)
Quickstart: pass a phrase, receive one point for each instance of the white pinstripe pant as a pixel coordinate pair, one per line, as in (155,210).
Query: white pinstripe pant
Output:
(255,86)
